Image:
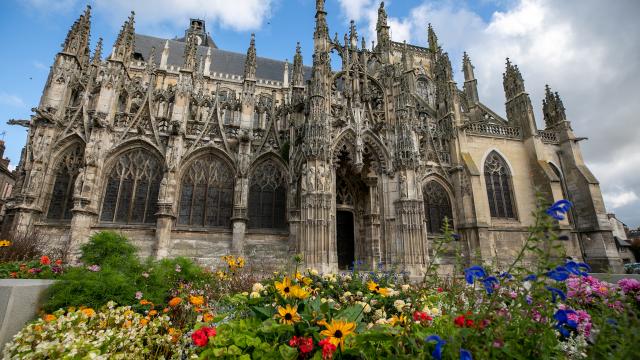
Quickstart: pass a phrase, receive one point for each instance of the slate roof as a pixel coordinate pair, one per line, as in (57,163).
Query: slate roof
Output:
(222,61)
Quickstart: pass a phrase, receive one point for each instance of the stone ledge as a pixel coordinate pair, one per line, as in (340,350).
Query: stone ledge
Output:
(20,300)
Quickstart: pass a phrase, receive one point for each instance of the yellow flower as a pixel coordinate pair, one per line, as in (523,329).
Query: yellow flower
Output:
(196,300)
(71,309)
(398,320)
(288,315)
(49,318)
(240,262)
(337,331)
(103,324)
(298,276)
(88,312)
(298,292)
(207,317)
(376,289)
(175,301)
(4,243)
(306,281)
(128,313)
(284,287)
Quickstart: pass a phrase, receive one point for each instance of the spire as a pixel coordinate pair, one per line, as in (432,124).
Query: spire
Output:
(467,68)
(470,82)
(250,60)
(164,56)
(285,74)
(552,108)
(151,61)
(97,53)
(77,40)
(321,33)
(406,58)
(297,78)
(125,43)
(190,52)
(207,62)
(433,39)
(512,81)
(353,35)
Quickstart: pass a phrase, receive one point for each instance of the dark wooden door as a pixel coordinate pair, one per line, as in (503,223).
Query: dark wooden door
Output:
(345,239)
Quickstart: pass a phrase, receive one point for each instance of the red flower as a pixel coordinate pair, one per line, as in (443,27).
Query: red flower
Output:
(294,341)
(421,316)
(469,323)
(201,336)
(440,290)
(459,321)
(306,345)
(327,348)
(58,262)
(44,260)
(14,274)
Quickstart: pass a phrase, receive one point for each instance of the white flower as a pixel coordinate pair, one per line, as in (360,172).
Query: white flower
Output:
(257,287)
(313,272)
(406,287)
(380,314)
(254,295)
(347,294)
(399,305)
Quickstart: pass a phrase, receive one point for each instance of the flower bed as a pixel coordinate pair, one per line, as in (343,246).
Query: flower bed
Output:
(548,310)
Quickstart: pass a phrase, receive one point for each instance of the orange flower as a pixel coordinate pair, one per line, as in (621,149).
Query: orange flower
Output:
(14,274)
(58,262)
(153,313)
(165,310)
(49,317)
(175,335)
(145,302)
(207,317)
(126,324)
(196,300)
(37,328)
(89,312)
(144,322)
(44,260)
(175,301)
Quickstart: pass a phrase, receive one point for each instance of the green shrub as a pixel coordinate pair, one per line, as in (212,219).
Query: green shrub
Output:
(113,272)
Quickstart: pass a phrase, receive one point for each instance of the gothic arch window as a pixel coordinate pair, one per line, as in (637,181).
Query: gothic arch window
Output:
(267,197)
(131,194)
(65,174)
(437,207)
(499,187)
(206,196)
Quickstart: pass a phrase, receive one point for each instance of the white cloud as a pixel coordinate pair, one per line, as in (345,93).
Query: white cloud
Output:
(11,100)
(356,9)
(238,15)
(620,199)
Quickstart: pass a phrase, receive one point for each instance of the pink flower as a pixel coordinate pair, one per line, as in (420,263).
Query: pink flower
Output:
(94,268)
(138,295)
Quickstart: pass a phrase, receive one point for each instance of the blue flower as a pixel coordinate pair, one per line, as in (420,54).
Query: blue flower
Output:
(555,293)
(489,282)
(506,275)
(562,316)
(531,277)
(456,237)
(437,351)
(575,268)
(558,209)
(465,355)
(473,272)
(560,273)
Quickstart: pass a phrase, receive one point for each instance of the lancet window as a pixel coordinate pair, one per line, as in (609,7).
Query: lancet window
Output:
(499,187)
(267,197)
(437,207)
(131,194)
(66,172)
(206,196)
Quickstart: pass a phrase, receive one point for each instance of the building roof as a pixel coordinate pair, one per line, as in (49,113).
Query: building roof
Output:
(222,61)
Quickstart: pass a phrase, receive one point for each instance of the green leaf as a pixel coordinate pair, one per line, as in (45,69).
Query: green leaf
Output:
(234,350)
(287,352)
(262,312)
(324,307)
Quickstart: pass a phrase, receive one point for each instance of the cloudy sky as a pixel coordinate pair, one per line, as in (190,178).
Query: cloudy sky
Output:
(587,50)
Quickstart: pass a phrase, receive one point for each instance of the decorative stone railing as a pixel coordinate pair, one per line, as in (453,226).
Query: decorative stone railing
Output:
(494,130)
(549,137)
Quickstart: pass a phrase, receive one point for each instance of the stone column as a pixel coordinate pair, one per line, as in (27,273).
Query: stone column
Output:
(372,223)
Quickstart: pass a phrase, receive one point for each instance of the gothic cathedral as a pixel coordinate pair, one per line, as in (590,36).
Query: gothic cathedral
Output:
(190,150)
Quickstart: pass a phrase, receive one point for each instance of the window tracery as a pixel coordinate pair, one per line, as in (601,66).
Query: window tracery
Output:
(499,187)
(66,172)
(267,197)
(131,194)
(206,197)
(437,206)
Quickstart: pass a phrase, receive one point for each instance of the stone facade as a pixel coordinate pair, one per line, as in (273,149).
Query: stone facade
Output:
(7,180)
(192,150)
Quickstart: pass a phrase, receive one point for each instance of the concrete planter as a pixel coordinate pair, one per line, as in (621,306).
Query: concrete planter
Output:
(614,278)
(20,300)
